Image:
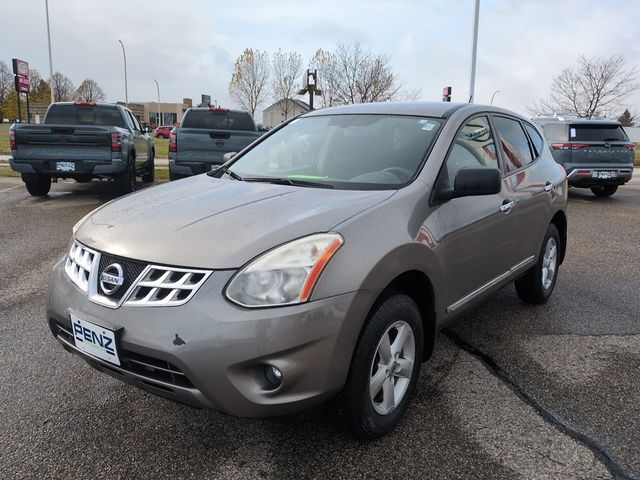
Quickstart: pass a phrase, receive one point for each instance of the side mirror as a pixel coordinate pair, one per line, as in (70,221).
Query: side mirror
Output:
(228,156)
(474,181)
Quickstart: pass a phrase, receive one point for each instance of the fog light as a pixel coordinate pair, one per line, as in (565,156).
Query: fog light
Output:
(273,376)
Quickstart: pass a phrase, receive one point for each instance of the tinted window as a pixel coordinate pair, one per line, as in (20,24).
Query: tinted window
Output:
(514,144)
(218,120)
(597,133)
(347,151)
(84,115)
(555,132)
(473,147)
(535,138)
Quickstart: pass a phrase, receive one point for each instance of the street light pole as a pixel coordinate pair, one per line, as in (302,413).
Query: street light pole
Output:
(46,4)
(493,96)
(474,52)
(126,93)
(158,89)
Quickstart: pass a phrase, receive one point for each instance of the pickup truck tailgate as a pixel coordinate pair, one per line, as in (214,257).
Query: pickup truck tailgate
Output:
(209,146)
(63,142)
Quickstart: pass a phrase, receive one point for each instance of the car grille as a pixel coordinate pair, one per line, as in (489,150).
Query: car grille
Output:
(145,366)
(143,285)
(166,286)
(79,265)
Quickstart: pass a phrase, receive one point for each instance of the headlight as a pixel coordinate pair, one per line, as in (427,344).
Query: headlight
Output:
(285,275)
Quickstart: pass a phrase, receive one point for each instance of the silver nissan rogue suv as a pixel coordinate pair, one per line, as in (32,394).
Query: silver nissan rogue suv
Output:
(318,261)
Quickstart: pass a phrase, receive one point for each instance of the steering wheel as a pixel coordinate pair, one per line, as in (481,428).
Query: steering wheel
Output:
(401,173)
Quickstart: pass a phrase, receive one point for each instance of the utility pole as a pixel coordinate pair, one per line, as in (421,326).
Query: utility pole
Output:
(46,4)
(474,50)
(126,93)
(158,89)
(311,87)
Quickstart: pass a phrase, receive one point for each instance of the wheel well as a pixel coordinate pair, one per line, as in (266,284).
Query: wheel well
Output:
(560,221)
(417,285)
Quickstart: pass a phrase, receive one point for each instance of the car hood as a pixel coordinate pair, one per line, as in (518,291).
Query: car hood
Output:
(216,223)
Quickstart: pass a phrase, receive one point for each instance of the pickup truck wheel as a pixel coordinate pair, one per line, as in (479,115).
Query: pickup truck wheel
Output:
(384,369)
(37,185)
(604,191)
(174,176)
(150,169)
(536,286)
(126,182)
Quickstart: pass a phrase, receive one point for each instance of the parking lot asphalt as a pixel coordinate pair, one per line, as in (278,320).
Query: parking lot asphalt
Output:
(511,391)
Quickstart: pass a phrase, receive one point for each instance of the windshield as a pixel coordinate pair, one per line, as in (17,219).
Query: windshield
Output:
(346,151)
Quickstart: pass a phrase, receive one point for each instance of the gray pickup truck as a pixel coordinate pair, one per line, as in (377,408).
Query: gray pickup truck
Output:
(204,136)
(596,154)
(82,141)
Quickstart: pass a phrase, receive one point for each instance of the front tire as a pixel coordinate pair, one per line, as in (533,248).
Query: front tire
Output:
(384,369)
(37,185)
(536,286)
(605,190)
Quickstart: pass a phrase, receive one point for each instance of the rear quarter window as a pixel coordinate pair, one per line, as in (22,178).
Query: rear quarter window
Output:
(218,120)
(597,133)
(535,137)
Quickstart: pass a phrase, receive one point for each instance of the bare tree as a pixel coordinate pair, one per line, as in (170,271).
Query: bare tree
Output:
(596,87)
(286,68)
(352,74)
(6,86)
(63,89)
(627,119)
(326,65)
(249,79)
(90,91)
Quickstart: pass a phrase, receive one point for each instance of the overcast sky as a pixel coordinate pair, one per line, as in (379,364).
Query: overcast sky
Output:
(190,46)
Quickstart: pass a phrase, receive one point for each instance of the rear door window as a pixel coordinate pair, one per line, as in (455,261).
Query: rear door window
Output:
(597,133)
(516,151)
(218,120)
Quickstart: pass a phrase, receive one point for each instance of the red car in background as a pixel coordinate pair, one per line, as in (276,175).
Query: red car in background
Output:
(162,131)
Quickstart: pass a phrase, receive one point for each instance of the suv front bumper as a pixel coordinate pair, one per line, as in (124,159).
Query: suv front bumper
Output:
(213,354)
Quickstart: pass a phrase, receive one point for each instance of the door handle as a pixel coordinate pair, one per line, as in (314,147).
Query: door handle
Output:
(548,186)
(507,205)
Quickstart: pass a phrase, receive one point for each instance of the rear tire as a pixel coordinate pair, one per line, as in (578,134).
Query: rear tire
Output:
(536,286)
(605,190)
(126,182)
(174,176)
(384,369)
(37,185)
(150,169)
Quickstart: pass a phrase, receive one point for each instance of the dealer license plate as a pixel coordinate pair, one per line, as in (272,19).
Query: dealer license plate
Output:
(605,174)
(65,166)
(95,340)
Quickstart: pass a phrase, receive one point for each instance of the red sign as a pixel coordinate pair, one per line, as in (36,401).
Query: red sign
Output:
(446,91)
(20,67)
(22,84)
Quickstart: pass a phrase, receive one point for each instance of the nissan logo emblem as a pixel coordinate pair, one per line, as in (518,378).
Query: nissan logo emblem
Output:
(111,279)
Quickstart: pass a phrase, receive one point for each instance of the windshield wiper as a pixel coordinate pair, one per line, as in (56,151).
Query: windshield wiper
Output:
(288,181)
(223,169)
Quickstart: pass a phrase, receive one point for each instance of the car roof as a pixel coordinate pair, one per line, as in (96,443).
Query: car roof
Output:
(425,109)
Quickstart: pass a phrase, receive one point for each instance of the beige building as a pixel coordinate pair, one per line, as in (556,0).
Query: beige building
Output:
(283,110)
(170,113)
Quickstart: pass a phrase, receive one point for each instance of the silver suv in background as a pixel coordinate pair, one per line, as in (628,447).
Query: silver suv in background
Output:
(596,154)
(319,261)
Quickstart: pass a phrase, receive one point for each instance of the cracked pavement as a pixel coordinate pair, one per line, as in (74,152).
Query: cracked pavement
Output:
(511,391)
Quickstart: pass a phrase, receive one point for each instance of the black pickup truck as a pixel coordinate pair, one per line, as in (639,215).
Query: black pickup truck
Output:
(204,136)
(82,141)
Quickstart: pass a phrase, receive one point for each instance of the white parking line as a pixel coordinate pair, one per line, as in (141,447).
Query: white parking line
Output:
(10,188)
